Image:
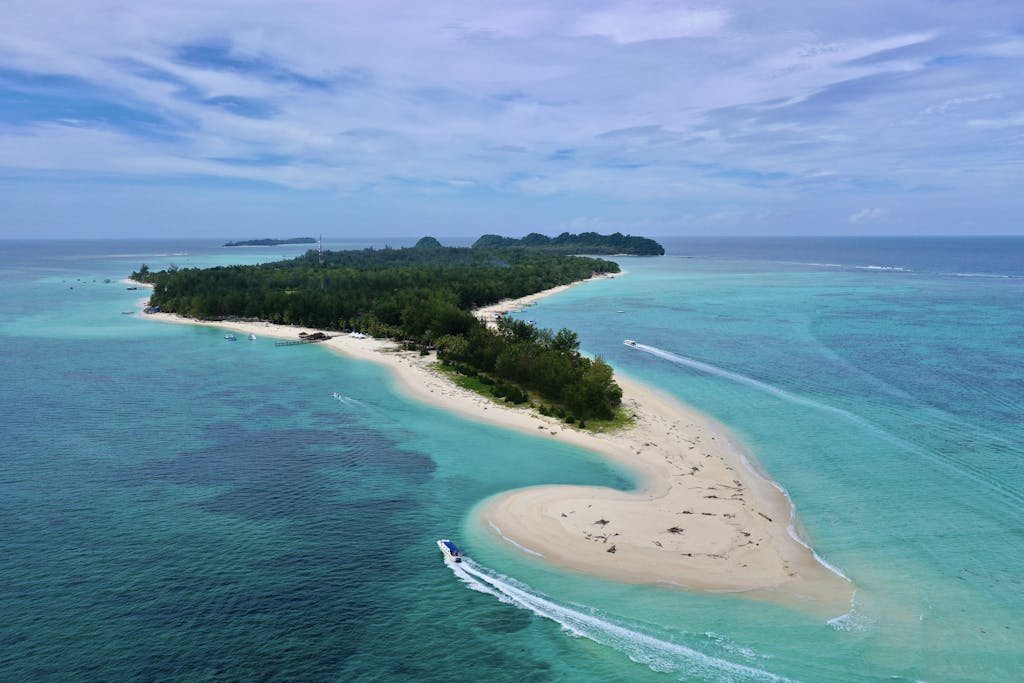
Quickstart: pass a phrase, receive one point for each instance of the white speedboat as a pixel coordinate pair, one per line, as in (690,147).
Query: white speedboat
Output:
(449,550)
(629,342)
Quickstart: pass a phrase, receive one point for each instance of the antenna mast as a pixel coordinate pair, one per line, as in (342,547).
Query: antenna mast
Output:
(323,285)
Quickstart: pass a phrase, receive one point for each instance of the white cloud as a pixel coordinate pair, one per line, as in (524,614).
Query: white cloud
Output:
(945,106)
(1011,121)
(635,22)
(745,105)
(868,215)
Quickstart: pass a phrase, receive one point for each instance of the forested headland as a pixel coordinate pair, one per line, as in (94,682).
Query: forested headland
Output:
(426,295)
(583,243)
(271,242)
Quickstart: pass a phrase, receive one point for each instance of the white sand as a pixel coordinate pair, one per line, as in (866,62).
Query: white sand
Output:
(702,519)
(490,314)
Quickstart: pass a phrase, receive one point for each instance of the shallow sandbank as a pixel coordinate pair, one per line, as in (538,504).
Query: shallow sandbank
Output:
(702,519)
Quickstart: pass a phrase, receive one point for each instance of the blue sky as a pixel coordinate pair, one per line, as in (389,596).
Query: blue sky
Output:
(248,118)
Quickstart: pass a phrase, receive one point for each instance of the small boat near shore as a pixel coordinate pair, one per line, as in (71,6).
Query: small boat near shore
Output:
(252,337)
(230,337)
(449,550)
(629,342)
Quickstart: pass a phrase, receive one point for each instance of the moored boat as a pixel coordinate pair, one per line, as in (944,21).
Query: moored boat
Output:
(252,337)
(230,337)
(449,550)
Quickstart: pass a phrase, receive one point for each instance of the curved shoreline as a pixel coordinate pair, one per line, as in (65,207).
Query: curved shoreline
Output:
(702,519)
(733,527)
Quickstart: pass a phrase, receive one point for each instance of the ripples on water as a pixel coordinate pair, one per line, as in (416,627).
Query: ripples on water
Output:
(177,508)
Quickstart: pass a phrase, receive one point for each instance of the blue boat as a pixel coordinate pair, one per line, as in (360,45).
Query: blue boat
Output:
(449,550)
(230,337)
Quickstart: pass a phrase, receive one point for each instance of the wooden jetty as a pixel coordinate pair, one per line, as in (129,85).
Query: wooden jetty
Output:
(305,339)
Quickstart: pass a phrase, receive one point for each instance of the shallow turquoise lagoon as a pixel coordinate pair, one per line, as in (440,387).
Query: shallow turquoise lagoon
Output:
(178,507)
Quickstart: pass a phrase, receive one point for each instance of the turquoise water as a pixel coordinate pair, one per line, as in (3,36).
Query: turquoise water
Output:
(176,507)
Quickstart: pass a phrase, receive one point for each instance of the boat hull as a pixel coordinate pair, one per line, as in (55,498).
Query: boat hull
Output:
(449,550)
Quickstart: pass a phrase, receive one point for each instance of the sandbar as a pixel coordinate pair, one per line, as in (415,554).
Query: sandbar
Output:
(702,517)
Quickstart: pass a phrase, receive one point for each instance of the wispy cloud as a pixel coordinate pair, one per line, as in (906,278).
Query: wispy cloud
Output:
(868,215)
(661,107)
(957,102)
(635,22)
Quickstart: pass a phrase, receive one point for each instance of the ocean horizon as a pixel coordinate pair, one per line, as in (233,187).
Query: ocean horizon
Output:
(180,508)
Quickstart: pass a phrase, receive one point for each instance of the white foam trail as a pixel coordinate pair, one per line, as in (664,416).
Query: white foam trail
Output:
(497,530)
(961,468)
(893,269)
(791,530)
(748,381)
(659,655)
(997,276)
(852,621)
(346,399)
(775,391)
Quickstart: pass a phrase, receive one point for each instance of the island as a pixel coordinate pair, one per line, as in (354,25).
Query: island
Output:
(424,295)
(271,242)
(700,516)
(583,243)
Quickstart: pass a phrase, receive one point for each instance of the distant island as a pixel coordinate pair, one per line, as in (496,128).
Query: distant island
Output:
(270,242)
(583,243)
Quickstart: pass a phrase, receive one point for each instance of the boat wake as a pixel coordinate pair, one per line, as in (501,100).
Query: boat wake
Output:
(777,392)
(709,369)
(346,399)
(660,655)
(958,467)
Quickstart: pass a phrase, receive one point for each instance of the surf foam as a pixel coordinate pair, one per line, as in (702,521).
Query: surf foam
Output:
(497,530)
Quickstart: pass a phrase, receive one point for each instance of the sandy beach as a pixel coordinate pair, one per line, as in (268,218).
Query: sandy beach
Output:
(701,519)
(491,314)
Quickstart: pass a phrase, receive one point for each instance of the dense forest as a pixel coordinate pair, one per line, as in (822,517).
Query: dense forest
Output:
(271,242)
(583,243)
(417,293)
(423,294)
(538,361)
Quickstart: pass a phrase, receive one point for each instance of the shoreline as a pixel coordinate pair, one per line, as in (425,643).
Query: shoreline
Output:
(702,517)
(490,314)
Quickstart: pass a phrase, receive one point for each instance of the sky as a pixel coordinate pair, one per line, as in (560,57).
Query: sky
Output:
(232,118)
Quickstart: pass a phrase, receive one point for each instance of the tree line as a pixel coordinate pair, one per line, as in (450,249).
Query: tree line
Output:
(418,294)
(425,294)
(585,242)
(539,361)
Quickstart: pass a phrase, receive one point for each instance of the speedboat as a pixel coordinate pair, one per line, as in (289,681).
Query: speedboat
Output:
(629,342)
(449,550)
(230,337)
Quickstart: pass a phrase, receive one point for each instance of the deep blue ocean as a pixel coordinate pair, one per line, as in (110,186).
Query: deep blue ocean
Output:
(175,507)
